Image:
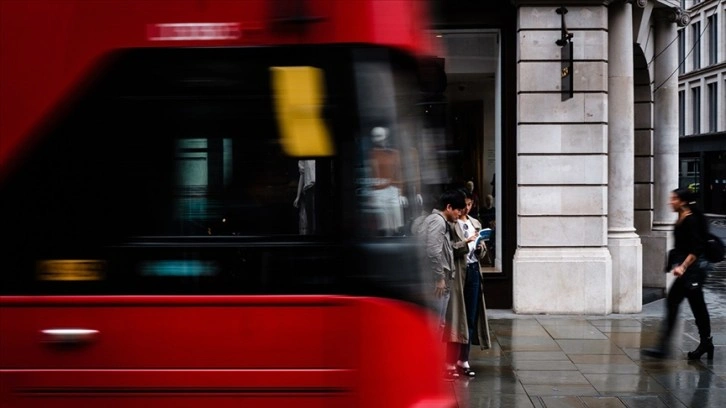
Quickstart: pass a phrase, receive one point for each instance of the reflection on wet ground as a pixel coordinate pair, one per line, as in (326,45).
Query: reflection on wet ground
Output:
(595,361)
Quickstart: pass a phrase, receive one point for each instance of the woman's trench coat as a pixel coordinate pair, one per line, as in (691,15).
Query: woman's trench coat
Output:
(457,329)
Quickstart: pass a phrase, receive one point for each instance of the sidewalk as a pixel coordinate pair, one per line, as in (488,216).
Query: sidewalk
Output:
(594,361)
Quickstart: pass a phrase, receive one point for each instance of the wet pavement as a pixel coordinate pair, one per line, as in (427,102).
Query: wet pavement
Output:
(594,361)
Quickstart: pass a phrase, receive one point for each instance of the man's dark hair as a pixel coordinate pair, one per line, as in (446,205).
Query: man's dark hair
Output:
(455,198)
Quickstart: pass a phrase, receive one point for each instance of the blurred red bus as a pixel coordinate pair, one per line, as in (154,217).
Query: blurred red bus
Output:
(192,211)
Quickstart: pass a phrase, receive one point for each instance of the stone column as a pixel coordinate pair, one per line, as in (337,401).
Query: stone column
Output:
(665,146)
(623,243)
(562,263)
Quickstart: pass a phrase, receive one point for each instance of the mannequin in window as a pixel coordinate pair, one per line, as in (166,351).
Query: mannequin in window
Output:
(489,220)
(475,200)
(417,209)
(385,164)
(305,199)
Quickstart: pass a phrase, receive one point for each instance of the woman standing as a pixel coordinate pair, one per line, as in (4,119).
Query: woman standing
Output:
(686,262)
(466,315)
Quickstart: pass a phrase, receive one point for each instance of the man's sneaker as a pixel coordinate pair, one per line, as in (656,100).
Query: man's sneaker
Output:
(465,371)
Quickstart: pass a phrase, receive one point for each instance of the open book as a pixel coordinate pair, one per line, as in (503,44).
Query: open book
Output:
(484,235)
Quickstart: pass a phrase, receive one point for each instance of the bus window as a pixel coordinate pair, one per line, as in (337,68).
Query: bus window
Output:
(170,176)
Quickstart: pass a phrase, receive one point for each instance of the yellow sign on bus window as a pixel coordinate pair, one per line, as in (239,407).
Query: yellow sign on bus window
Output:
(71,270)
(299,93)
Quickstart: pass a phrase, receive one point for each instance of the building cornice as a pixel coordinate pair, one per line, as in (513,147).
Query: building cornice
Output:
(695,8)
(703,72)
(554,3)
(585,3)
(670,10)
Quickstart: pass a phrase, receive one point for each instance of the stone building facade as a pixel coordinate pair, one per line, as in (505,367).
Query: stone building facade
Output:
(594,227)
(585,179)
(702,103)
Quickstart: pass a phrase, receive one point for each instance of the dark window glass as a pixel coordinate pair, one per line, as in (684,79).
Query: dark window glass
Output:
(681,113)
(712,107)
(713,39)
(689,173)
(681,51)
(696,111)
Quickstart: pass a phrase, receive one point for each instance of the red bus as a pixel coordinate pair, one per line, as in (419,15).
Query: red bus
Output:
(206,202)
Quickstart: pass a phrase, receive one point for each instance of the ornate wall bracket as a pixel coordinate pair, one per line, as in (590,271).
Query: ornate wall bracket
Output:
(566,56)
(565,35)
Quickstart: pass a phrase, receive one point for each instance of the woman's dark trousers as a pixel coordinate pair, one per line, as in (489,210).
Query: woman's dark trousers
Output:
(688,286)
(472,298)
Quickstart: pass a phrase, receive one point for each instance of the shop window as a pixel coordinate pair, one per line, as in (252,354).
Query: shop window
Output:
(689,173)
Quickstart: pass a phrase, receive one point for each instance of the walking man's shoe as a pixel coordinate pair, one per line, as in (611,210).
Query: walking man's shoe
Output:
(658,352)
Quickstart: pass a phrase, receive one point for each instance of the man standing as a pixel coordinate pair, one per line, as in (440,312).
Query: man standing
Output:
(435,230)
(439,259)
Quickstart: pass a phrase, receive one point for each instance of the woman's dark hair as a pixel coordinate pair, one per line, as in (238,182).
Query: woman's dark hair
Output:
(689,197)
(686,195)
(467,193)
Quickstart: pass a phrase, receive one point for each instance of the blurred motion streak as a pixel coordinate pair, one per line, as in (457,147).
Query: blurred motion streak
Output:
(298,102)
(210,202)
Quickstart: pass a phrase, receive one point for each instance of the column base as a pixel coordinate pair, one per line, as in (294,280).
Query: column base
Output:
(562,281)
(627,273)
(655,249)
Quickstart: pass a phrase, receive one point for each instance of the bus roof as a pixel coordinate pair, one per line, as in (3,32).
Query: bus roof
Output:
(48,48)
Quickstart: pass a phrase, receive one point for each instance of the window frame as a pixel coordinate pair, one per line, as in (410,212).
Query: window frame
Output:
(712,106)
(713,39)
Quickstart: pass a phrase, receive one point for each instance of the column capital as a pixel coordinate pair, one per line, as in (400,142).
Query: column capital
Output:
(673,15)
(582,3)
(639,3)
